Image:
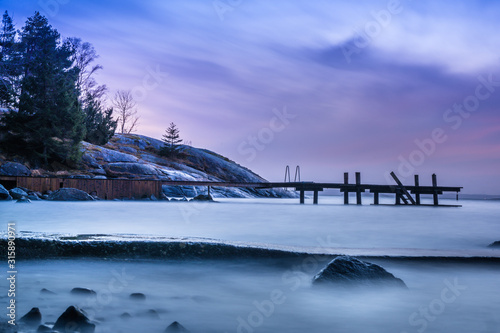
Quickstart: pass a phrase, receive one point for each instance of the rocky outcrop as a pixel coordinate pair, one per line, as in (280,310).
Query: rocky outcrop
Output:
(69,194)
(495,244)
(76,319)
(349,271)
(14,169)
(4,194)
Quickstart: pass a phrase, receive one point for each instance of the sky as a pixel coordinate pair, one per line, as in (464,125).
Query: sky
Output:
(332,86)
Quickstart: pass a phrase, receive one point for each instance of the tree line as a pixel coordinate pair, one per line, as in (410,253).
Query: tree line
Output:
(52,99)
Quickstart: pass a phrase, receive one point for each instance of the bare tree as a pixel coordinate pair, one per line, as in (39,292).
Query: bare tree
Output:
(125,107)
(84,55)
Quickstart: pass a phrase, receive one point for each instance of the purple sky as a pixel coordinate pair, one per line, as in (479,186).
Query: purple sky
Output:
(332,86)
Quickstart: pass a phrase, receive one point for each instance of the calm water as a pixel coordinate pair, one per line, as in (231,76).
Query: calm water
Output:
(267,295)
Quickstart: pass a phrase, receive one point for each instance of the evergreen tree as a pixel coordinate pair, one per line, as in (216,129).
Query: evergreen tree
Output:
(9,62)
(99,123)
(49,123)
(171,141)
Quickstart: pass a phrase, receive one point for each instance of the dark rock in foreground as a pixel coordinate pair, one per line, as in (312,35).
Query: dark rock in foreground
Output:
(14,169)
(83,292)
(69,194)
(495,244)
(4,194)
(175,327)
(33,318)
(349,271)
(73,319)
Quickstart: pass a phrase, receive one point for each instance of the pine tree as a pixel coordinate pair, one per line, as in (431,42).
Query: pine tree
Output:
(49,123)
(9,62)
(99,123)
(171,141)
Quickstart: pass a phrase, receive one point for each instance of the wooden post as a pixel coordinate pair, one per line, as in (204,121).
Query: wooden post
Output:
(208,190)
(435,194)
(417,194)
(375,198)
(398,198)
(315,198)
(358,190)
(302,196)
(346,193)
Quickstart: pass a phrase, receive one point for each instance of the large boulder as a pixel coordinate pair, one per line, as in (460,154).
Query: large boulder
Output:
(14,169)
(69,194)
(4,194)
(349,271)
(18,193)
(33,318)
(74,320)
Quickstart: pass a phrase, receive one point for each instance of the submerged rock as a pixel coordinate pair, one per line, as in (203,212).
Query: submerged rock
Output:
(24,200)
(33,318)
(175,327)
(4,194)
(43,329)
(495,244)
(45,291)
(74,319)
(69,194)
(203,197)
(14,169)
(83,292)
(138,296)
(345,270)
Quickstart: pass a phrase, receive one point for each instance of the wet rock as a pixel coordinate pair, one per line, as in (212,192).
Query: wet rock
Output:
(179,191)
(349,271)
(176,327)
(33,318)
(83,292)
(74,319)
(17,193)
(152,314)
(4,194)
(137,296)
(14,169)
(203,197)
(495,244)
(69,194)
(23,200)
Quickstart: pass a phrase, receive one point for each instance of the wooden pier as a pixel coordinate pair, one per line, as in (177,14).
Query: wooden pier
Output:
(409,195)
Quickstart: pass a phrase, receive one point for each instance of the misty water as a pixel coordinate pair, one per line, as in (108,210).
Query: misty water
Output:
(267,294)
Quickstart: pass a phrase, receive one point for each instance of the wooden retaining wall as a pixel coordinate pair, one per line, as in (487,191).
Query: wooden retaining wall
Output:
(104,188)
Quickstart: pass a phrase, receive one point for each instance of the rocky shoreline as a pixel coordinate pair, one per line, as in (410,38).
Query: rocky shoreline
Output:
(136,157)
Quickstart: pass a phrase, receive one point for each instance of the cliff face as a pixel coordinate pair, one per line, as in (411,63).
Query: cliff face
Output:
(133,156)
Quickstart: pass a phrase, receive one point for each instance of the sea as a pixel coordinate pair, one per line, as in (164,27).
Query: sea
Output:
(247,265)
